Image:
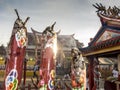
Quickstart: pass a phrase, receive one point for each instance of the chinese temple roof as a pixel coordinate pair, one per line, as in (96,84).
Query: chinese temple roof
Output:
(66,41)
(31,39)
(107,38)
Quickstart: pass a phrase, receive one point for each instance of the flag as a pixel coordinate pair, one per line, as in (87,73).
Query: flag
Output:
(47,66)
(17,47)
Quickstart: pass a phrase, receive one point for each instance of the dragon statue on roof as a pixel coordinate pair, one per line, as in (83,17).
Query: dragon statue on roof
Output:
(111,12)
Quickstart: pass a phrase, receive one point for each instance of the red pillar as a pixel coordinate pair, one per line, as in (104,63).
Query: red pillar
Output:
(90,72)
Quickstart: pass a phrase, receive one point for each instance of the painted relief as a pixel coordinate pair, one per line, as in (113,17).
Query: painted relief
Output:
(107,35)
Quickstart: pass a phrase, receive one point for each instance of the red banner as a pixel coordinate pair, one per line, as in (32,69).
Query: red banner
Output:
(17,48)
(47,66)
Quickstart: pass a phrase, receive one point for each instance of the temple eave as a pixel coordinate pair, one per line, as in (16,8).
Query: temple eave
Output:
(105,50)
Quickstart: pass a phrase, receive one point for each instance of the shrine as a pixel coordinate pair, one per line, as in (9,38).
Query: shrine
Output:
(106,43)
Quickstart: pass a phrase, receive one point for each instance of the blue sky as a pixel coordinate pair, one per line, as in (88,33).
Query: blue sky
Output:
(72,16)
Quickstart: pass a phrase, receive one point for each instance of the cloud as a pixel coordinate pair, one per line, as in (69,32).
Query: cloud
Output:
(72,16)
(106,2)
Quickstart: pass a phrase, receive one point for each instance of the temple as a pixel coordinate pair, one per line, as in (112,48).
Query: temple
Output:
(106,44)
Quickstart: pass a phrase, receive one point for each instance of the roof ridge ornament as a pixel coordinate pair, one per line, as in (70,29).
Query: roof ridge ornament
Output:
(111,12)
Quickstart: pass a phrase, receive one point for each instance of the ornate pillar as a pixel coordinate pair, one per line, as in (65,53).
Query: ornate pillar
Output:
(90,73)
(96,73)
